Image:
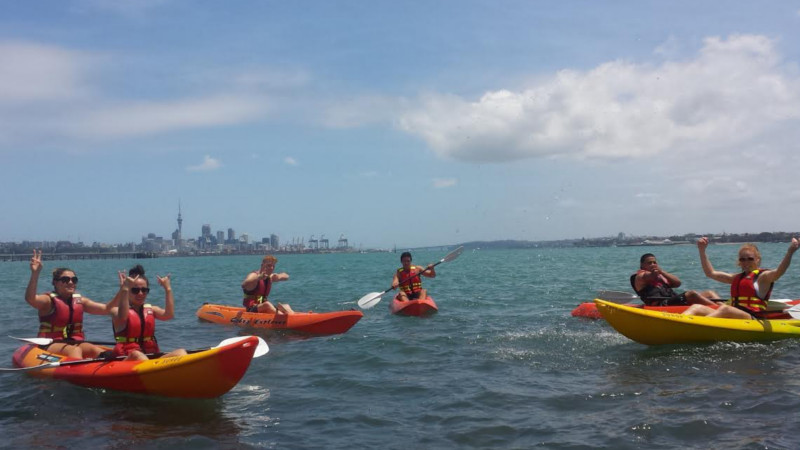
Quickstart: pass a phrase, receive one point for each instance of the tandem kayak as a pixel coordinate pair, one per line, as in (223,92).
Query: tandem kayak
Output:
(420,307)
(659,327)
(207,373)
(589,309)
(335,322)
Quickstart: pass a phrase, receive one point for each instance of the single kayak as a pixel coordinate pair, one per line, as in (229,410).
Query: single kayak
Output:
(335,322)
(205,373)
(659,327)
(420,307)
(589,309)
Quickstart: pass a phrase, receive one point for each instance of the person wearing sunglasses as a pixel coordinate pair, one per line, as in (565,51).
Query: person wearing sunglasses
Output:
(257,286)
(61,311)
(655,286)
(134,319)
(750,289)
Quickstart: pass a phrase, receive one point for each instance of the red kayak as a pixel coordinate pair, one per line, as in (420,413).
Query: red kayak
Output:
(323,323)
(419,307)
(589,309)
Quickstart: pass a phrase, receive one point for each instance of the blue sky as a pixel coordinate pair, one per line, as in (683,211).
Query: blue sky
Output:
(398,123)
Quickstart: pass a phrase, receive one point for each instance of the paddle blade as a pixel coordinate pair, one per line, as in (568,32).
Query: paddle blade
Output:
(369,300)
(261,350)
(794,311)
(454,254)
(34,341)
(616,296)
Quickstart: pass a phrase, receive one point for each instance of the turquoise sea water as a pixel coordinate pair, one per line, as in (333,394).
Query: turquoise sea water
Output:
(502,365)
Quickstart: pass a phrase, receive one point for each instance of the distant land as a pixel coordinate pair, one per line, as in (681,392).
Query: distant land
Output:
(18,251)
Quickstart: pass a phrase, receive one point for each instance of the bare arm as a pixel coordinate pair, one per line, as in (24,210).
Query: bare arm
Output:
(251,280)
(41,301)
(169,300)
(708,269)
(395,281)
(772,276)
(119,314)
(283,276)
(429,271)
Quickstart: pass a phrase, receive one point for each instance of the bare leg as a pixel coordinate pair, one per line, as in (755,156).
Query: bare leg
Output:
(284,308)
(267,307)
(71,351)
(423,294)
(697,299)
(136,355)
(402,296)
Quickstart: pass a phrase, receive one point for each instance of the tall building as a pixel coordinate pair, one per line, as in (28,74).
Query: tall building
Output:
(206,230)
(273,241)
(231,235)
(220,237)
(177,236)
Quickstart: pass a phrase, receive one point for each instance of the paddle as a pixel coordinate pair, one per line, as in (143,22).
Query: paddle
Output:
(616,296)
(372,299)
(48,341)
(261,350)
(794,311)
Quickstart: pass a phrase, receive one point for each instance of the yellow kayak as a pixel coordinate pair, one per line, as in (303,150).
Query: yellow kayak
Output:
(659,327)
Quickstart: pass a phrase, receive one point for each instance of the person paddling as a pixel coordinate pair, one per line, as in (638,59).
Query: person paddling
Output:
(61,311)
(750,289)
(408,279)
(134,320)
(257,286)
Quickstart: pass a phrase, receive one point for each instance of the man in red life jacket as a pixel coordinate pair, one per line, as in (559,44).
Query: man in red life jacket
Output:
(408,279)
(257,286)
(654,286)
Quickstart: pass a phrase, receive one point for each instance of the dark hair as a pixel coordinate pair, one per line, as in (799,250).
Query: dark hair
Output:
(58,271)
(138,270)
(404,255)
(645,256)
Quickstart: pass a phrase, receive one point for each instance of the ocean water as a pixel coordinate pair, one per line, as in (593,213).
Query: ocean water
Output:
(502,365)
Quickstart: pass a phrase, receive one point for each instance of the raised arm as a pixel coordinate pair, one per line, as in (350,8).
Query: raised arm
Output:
(169,300)
(119,313)
(772,276)
(708,269)
(42,301)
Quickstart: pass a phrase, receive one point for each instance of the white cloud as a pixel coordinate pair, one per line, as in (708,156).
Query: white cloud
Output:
(440,183)
(207,165)
(732,91)
(290,161)
(32,73)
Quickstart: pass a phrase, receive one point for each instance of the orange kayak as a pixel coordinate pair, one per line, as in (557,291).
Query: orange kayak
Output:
(419,307)
(335,322)
(201,374)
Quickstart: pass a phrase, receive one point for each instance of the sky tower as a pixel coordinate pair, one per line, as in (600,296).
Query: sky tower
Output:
(180,225)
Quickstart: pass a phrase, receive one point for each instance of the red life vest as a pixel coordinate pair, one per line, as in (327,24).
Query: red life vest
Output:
(744,294)
(139,332)
(410,281)
(259,294)
(65,321)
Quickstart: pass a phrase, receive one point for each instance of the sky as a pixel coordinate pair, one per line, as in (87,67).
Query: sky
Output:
(407,124)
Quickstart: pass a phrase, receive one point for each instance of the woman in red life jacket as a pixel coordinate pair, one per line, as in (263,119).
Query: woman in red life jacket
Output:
(257,286)
(408,279)
(134,320)
(750,289)
(61,311)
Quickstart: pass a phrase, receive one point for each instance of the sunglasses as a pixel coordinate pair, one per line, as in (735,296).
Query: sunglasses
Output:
(137,290)
(749,258)
(68,279)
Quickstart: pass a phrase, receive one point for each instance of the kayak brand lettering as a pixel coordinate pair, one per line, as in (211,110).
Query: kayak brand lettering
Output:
(240,321)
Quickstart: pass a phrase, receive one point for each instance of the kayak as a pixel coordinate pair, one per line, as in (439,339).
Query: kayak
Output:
(202,374)
(589,309)
(659,327)
(419,307)
(335,322)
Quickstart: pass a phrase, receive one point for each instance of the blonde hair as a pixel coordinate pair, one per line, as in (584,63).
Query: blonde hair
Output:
(751,247)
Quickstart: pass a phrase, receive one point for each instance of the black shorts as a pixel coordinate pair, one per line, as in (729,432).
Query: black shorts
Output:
(414,296)
(675,300)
